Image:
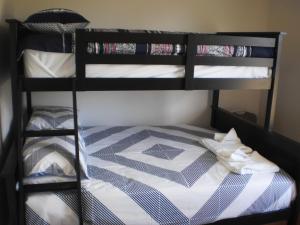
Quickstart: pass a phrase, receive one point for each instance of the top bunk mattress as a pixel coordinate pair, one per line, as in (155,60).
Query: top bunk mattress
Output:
(42,64)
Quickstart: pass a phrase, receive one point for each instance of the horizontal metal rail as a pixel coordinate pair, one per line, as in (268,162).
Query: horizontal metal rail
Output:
(119,84)
(62,186)
(213,39)
(47,84)
(120,37)
(233,61)
(134,59)
(45,133)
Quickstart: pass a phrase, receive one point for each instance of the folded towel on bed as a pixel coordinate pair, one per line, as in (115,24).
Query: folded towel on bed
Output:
(226,143)
(236,156)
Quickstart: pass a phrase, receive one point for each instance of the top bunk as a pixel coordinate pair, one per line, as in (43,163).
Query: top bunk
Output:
(98,60)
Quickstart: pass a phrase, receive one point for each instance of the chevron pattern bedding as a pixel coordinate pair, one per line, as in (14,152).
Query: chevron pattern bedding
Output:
(52,156)
(51,118)
(158,175)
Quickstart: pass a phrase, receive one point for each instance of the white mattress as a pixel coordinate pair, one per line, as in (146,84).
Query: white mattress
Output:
(41,64)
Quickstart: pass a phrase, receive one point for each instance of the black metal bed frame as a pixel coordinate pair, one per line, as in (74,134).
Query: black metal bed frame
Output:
(279,149)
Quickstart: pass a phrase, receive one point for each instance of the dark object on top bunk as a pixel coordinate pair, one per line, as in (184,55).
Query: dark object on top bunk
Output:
(251,117)
(55,20)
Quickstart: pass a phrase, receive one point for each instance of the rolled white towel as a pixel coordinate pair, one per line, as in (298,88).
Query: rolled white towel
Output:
(254,164)
(232,151)
(226,143)
(237,157)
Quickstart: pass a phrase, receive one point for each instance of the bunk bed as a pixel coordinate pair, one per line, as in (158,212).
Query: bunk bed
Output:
(91,75)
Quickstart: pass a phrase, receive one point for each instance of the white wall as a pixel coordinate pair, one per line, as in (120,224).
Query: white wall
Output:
(5,108)
(285,16)
(162,107)
(189,15)
(136,108)
(5,91)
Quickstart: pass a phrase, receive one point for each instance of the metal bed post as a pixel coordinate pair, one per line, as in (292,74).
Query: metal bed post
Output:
(28,104)
(190,62)
(214,107)
(295,211)
(78,83)
(272,93)
(77,162)
(16,84)
(79,59)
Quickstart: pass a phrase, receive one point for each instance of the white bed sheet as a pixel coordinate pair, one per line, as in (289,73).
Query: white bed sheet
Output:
(41,64)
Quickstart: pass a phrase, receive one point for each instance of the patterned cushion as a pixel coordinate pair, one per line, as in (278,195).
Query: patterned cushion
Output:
(55,20)
(52,156)
(51,118)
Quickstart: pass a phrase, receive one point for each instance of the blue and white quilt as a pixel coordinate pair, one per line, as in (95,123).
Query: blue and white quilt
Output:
(159,175)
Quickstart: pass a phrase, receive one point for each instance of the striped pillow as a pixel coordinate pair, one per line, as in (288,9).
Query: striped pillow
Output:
(55,20)
(52,156)
(51,118)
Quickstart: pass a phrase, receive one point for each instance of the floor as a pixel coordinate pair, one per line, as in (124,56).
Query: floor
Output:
(278,223)
(281,223)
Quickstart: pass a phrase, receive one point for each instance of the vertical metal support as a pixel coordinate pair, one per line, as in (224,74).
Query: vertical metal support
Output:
(28,104)
(11,185)
(16,85)
(272,93)
(77,162)
(78,82)
(80,54)
(190,64)
(214,107)
(295,214)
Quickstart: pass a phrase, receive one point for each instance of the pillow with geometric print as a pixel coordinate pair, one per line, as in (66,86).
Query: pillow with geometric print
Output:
(52,156)
(51,118)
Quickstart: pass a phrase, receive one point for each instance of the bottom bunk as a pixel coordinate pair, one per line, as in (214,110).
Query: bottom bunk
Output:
(149,175)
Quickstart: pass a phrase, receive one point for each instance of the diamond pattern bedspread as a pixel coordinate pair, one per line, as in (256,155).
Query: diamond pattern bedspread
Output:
(159,175)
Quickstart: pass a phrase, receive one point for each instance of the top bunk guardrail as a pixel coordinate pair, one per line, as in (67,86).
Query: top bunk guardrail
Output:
(224,40)
(189,59)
